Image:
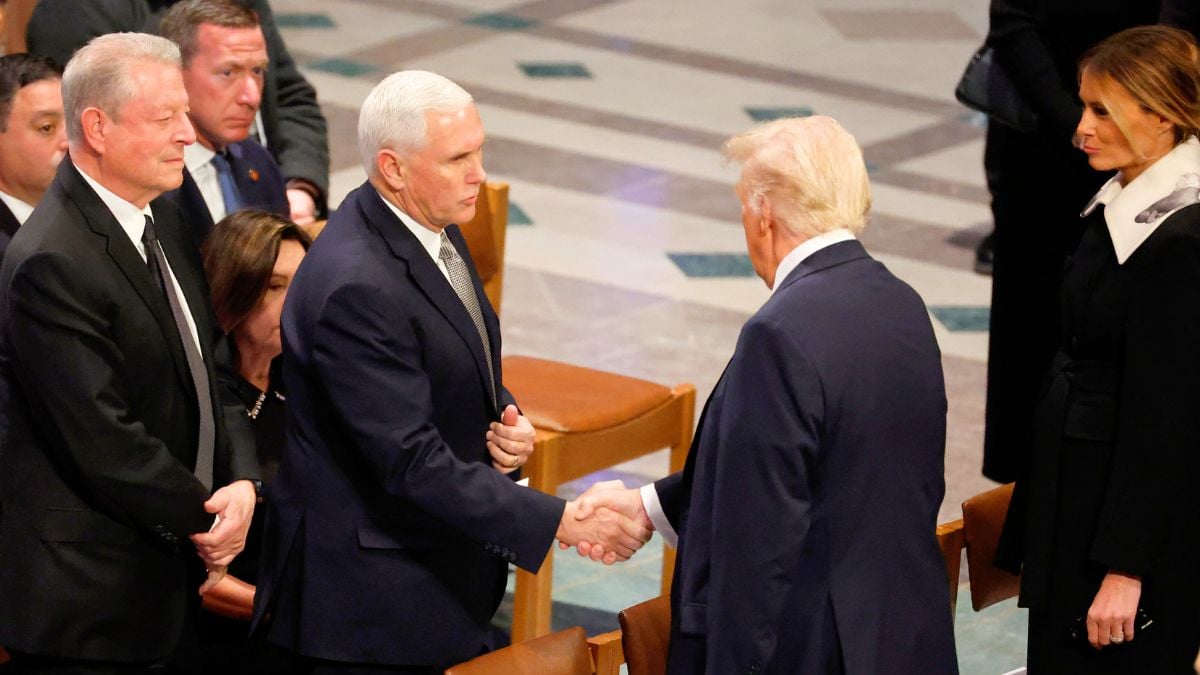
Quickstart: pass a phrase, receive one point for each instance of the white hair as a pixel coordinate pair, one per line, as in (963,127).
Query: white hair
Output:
(810,169)
(393,116)
(98,75)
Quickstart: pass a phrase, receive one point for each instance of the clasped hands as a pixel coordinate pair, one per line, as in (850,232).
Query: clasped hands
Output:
(234,507)
(606,523)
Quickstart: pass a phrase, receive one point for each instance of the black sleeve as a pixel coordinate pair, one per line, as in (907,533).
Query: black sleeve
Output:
(59,27)
(296,131)
(1017,35)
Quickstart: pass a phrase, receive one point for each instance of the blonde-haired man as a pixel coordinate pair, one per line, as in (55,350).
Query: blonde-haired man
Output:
(806,512)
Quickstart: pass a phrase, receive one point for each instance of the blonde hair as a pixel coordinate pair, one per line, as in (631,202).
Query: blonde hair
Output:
(810,169)
(1159,67)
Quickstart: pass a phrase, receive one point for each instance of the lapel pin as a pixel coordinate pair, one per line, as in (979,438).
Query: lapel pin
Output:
(253,173)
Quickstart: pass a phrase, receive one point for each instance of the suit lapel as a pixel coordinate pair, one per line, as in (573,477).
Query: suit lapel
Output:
(8,222)
(428,278)
(128,261)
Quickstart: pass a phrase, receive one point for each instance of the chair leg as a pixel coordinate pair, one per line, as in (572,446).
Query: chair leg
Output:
(532,602)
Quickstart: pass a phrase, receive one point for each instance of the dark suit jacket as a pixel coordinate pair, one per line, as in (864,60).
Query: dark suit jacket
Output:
(259,183)
(388,531)
(97,495)
(8,226)
(295,126)
(807,508)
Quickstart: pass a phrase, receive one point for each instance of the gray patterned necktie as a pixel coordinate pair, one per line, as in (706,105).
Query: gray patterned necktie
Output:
(460,280)
(205,447)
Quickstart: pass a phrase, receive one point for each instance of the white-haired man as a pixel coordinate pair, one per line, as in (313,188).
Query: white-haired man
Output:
(113,443)
(806,511)
(394,513)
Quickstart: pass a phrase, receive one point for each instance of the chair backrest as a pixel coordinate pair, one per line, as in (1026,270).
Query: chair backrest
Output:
(983,519)
(561,653)
(486,234)
(645,633)
(950,541)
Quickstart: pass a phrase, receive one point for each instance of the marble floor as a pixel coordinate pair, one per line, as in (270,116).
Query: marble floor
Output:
(624,251)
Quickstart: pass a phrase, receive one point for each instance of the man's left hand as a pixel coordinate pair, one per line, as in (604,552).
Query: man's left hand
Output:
(303,207)
(510,441)
(234,503)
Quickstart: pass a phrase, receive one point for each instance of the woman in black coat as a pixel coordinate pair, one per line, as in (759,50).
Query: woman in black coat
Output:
(1039,182)
(1106,524)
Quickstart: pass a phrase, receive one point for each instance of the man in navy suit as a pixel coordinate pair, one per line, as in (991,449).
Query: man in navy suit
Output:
(224,63)
(394,514)
(806,511)
(33,137)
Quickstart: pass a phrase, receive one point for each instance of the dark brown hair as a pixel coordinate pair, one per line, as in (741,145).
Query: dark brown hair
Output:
(239,257)
(1160,68)
(182,21)
(18,71)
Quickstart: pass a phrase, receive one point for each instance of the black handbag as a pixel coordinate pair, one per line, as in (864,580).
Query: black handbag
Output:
(987,88)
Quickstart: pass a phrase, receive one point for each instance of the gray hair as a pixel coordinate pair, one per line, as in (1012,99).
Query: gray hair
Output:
(393,116)
(98,75)
(810,169)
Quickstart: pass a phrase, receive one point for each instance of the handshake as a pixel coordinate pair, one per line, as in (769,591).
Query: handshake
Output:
(606,523)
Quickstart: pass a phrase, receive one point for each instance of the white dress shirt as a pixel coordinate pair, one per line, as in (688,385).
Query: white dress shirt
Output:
(790,261)
(19,208)
(430,241)
(198,160)
(133,223)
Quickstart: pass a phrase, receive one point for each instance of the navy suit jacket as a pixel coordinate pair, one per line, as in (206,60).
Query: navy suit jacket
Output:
(388,532)
(259,182)
(807,508)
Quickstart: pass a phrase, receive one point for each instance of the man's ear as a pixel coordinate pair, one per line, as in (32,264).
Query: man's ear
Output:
(391,168)
(766,217)
(95,128)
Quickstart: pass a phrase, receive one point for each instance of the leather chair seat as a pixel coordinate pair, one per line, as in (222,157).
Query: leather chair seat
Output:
(579,399)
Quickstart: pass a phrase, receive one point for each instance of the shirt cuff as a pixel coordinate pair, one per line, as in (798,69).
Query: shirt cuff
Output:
(657,517)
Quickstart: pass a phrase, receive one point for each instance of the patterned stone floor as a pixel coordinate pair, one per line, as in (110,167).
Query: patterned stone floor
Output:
(606,118)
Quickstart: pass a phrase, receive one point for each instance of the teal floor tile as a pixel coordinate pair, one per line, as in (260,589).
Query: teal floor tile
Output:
(991,641)
(713,265)
(501,21)
(342,67)
(963,319)
(517,215)
(303,20)
(770,114)
(549,69)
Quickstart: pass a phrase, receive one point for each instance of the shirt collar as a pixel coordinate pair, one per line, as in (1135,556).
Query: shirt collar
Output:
(809,247)
(131,218)
(430,241)
(1132,212)
(20,209)
(196,157)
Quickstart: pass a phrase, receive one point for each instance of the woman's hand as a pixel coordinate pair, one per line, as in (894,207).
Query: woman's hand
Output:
(1110,618)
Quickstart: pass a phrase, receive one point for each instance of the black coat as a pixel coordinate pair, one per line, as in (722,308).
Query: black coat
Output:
(386,519)
(807,508)
(1116,454)
(1039,184)
(295,126)
(97,495)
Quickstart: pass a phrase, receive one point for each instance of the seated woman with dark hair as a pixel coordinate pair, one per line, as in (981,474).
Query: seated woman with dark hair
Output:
(250,259)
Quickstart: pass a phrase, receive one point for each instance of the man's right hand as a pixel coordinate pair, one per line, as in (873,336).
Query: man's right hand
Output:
(615,496)
(607,534)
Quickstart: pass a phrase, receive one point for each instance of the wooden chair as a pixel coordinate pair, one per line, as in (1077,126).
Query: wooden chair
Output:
(586,420)
(645,634)
(950,540)
(983,519)
(16,19)
(561,653)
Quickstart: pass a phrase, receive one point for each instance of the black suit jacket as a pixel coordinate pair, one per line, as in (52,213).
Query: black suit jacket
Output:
(386,519)
(258,180)
(97,495)
(8,226)
(295,126)
(807,508)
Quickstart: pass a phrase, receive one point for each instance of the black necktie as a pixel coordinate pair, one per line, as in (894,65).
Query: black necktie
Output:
(157,262)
